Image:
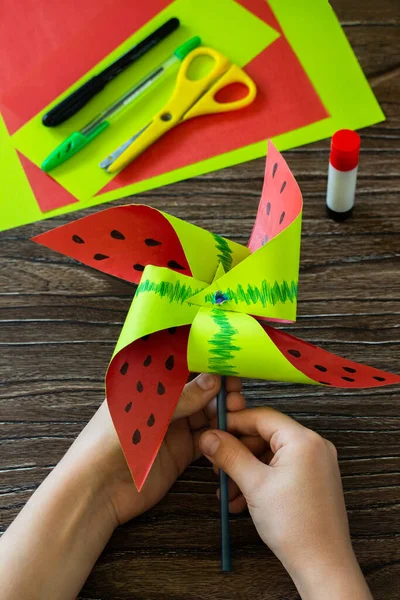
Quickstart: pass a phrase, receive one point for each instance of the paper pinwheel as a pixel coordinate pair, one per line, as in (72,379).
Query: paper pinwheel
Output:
(202,304)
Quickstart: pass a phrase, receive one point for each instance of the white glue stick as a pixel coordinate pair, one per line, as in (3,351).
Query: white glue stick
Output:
(342,174)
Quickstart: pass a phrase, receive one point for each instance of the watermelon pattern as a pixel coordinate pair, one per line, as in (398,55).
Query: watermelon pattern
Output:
(143,385)
(120,241)
(146,376)
(281,201)
(326,368)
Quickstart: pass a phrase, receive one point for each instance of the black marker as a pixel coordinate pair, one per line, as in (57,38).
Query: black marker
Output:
(80,97)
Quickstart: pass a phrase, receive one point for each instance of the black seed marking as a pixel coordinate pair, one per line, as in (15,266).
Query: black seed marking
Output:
(264,240)
(151,420)
(172,330)
(147,361)
(174,265)
(274,169)
(283,186)
(100,256)
(123,370)
(320,368)
(160,389)
(128,407)
(349,369)
(169,363)
(268,208)
(117,235)
(325,382)
(146,337)
(136,437)
(139,386)
(379,378)
(151,242)
(138,267)
(295,353)
(282,217)
(77,239)
(348,378)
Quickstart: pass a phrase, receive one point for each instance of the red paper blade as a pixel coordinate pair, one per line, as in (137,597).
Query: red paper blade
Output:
(327,368)
(281,200)
(144,382)
(120,241)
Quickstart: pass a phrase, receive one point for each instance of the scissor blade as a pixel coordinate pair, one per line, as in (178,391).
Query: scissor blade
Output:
(114,155)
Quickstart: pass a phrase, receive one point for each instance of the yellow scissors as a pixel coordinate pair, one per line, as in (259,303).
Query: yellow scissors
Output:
(190,98)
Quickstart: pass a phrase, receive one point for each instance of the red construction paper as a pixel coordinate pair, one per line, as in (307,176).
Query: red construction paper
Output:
(48,193)
(281,200)
(56,43)
(144,383)
(327,368)
(120,241)
(286,100)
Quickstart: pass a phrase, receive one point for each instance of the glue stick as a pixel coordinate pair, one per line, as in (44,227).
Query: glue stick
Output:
(342,174)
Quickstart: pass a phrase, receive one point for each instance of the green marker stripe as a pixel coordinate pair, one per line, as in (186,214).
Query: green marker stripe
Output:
(266,294)
(221,347)
(177,292)
(225,252)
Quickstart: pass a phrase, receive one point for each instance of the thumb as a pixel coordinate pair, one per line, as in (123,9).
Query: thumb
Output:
(229,454)
(197,394)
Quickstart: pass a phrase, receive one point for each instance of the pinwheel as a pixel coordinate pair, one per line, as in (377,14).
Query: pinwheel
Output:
(203,304)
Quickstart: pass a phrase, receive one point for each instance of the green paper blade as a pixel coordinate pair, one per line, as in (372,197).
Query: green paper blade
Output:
(235,344)
(265,283)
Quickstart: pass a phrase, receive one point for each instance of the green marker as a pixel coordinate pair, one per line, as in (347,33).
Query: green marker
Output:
(79,139)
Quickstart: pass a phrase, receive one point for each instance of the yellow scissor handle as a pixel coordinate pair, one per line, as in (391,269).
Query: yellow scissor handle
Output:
(190,98)
(208,103)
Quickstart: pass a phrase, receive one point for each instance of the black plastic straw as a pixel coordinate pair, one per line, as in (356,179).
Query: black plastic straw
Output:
(223,486)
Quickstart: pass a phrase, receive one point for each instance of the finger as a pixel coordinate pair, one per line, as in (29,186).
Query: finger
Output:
(233,490)
(255,444)
(197,394)
(266,422)
(234,401)
(233,384)
(238,505)
(232,456)
(266,456)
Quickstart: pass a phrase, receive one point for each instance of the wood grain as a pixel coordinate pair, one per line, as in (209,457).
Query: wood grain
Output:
(59,322)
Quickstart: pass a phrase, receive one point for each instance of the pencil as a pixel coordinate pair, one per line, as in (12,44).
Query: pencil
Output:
(223,486)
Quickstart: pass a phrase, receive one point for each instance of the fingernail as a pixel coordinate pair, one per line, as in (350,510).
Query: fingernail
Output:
(206,381)
(210,443)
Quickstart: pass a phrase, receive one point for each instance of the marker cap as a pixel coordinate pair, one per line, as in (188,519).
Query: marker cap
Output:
(187,47)
(345,150)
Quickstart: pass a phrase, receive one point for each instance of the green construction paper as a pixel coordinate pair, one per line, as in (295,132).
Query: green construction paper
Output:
(265,283)
(325,54)
(160,302)
(231,343)
(15,190)
(213,249)
(244,38)
(323,51)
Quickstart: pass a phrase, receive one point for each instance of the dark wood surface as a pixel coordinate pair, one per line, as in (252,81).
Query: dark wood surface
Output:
(59,322)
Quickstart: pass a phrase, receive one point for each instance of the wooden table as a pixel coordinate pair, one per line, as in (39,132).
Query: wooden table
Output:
(60,321)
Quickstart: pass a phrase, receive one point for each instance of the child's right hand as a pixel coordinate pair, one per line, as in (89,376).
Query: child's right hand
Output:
(295,499)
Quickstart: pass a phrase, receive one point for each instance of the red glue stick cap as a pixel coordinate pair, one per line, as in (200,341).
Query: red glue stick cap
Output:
(345,150)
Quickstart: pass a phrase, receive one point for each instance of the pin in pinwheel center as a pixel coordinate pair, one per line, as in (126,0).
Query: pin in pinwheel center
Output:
(219,298)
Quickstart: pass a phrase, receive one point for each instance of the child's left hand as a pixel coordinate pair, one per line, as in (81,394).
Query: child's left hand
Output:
(99,441)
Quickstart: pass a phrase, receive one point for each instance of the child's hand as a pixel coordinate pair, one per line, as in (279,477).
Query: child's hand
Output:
(295,499)
(98,443)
